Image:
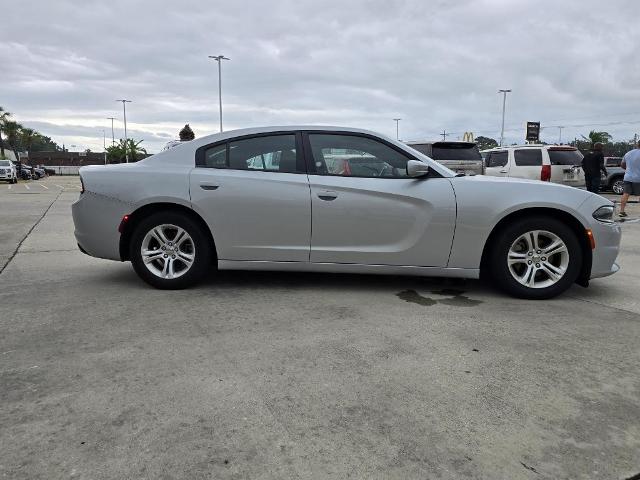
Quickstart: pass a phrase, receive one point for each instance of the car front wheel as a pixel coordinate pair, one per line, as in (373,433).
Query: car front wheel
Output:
(536,258)
(618,187)
(170,251)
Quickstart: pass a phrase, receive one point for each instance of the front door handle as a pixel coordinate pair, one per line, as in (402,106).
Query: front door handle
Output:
(207,186)
(327,195)
(503,171)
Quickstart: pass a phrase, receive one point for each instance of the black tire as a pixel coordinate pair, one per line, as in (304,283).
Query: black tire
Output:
(499,267)
(203,251)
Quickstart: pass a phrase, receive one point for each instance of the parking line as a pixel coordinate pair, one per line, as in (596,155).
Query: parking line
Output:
(44,186)
(10,186)
(26,186)
(60,186)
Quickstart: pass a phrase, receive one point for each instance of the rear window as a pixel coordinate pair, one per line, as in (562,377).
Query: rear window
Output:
(467,152)
(614,161)
(528,157)
(565,157)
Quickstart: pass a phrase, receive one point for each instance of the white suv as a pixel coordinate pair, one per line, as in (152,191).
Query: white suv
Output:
(8,171)
(549,163)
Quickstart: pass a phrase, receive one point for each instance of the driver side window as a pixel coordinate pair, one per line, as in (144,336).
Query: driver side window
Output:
(356,156)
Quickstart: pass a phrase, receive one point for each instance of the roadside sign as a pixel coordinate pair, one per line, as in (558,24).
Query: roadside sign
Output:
(533,131)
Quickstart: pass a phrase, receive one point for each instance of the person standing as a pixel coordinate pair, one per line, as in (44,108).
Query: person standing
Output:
(631,165)
(593,164)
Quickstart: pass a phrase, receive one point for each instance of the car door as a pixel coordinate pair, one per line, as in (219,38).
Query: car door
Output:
(371,213)
(254,194)
(527,163)
(497,163)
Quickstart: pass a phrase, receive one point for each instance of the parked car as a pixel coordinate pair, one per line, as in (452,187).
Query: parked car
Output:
(49,171)
(613,180)
(461,157)
(220,201)
(39,172)
(25,172)
(549,163)
(8,171)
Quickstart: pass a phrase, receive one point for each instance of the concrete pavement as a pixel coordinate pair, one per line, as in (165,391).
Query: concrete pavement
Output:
(266,375)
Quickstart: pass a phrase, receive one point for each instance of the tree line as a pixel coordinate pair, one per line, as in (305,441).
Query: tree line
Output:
(17,138)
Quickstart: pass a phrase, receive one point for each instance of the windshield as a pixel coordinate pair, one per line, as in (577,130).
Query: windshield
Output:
(5,163)
(565,157)
(466,152)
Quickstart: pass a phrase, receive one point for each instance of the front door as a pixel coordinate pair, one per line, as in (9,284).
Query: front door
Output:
(365,210)
(254,194)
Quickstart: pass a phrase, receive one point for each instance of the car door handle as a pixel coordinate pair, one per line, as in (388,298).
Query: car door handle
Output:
(207,186)
(503,171)
(327,195)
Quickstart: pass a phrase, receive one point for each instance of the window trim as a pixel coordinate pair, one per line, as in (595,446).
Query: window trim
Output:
(300,160)
(311,165)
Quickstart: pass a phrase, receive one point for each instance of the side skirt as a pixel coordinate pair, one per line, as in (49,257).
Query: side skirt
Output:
(349,268)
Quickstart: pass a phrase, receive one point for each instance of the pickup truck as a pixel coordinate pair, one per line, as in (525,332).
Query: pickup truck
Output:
(461,157)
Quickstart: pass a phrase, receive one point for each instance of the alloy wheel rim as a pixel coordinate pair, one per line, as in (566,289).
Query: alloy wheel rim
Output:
(618,187)
(168,251)
(538,259)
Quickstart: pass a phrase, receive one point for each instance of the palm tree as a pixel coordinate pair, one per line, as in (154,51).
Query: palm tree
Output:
(12,129)
(117,153)
(4,118)
(27,136)
(597,137)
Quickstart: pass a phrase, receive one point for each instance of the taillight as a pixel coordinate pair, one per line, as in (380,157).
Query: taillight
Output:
(123,223)
(81,185)
(545,173)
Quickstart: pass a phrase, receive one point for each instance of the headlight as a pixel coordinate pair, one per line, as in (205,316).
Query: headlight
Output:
(604,214)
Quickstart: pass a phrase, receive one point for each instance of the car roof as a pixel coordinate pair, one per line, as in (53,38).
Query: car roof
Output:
(439,142)
(530,145)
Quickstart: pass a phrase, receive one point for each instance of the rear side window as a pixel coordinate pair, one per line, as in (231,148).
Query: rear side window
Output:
(270,153)
(455,151)
(565,157)
(497,159)
(528,157)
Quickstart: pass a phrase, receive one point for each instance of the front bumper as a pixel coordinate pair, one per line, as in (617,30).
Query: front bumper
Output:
(96,219)
(607,238)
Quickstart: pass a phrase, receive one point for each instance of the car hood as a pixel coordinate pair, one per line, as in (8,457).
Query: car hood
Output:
(525,190)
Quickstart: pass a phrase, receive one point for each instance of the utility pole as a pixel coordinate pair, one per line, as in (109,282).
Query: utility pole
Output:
(504,103)
(444,135)
(219,58)
(397,120)
(113,137)
(126,141)
(560,136)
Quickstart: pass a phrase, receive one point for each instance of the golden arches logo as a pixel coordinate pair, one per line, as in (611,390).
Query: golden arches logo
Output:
(468,137)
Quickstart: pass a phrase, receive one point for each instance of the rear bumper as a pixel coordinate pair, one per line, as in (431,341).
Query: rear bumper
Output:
(96,219)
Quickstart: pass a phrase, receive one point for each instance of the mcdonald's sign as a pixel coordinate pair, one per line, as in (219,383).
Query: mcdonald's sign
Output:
(468,137)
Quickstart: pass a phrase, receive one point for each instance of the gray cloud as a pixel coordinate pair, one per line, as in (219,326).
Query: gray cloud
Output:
(436,64)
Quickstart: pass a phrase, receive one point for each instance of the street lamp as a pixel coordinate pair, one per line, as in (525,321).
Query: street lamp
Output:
(104,144)
(219,58)
(560,135)
(504,102)
(397,120)
(124,112)
(113,137)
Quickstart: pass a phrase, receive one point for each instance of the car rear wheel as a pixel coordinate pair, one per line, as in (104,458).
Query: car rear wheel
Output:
(536,258)
(170,251)
(618,186)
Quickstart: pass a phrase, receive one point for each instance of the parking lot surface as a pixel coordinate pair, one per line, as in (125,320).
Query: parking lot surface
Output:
(280,375)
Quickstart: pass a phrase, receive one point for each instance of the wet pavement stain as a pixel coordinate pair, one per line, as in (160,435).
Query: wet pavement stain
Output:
(455,298)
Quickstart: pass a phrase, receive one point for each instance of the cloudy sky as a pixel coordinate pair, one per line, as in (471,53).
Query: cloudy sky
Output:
(435,64)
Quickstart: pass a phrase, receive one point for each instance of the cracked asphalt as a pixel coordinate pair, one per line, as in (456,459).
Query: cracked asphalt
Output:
(279,375)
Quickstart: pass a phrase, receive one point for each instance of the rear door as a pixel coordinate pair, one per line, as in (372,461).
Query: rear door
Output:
(254,194)
(566,166)
(527,163)
(497,163)
(373,214)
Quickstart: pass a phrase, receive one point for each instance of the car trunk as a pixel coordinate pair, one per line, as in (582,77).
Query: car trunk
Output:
(461,157)
(566,166)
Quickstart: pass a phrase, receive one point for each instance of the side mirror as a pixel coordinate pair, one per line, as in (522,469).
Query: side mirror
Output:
(417,169)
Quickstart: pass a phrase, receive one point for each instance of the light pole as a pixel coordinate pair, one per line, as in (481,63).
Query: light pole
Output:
(504,102)
(219,58)
(560,135)
(113,137)
(104,145)
(397,120)
(124,112)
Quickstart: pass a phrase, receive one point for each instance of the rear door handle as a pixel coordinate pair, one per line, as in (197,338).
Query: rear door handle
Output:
(207,186)
(503,171)
(327,195)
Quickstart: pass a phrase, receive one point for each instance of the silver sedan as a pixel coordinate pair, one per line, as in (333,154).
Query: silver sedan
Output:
(329,199)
